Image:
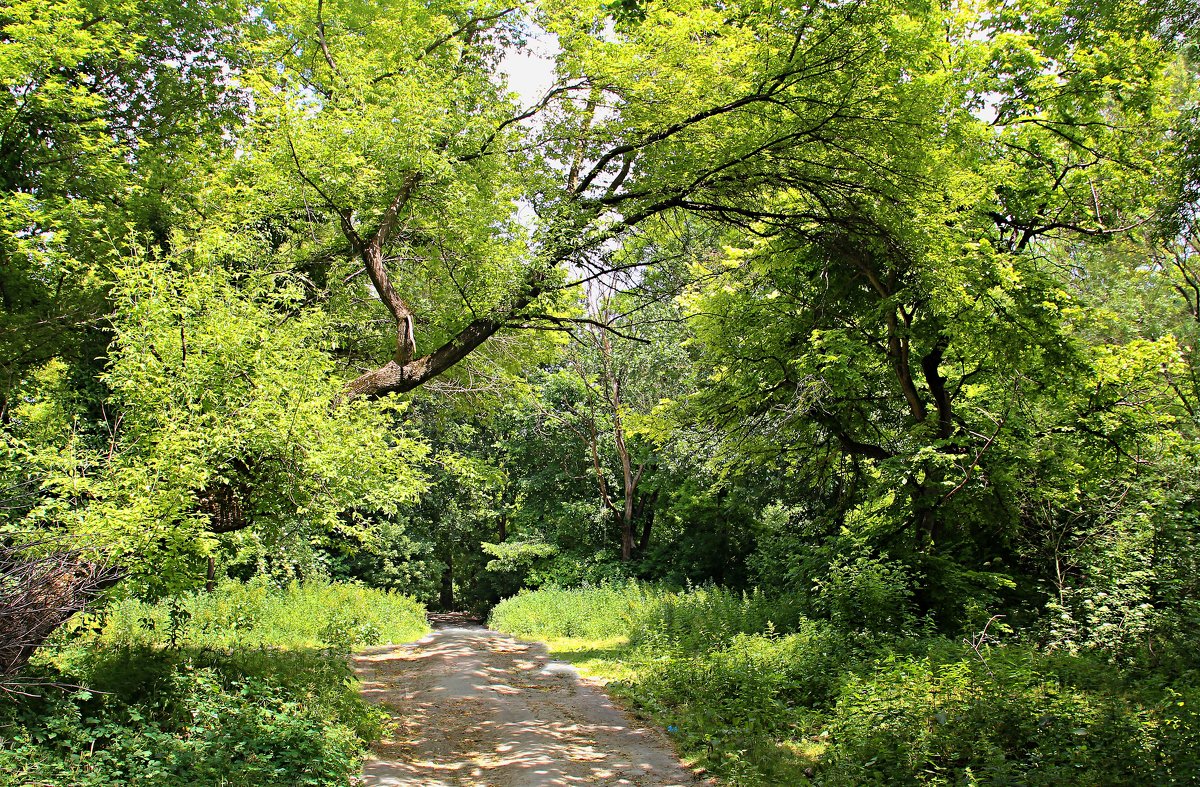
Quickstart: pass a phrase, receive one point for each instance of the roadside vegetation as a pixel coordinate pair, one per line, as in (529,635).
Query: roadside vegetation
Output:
(888,308)
(247,686)
(758,693)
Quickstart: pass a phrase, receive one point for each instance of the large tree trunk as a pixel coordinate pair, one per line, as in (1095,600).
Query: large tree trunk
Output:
(645,511)
(400,376)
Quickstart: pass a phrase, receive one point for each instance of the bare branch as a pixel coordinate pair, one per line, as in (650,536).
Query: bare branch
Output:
(321,39)
(581,321)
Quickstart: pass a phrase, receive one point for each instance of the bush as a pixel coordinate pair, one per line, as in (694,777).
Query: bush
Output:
(704,618)
(752,683)
(694,620)
(176,718)
(867,593)
(245,687)
(918,720)
(599,612)
(763,696)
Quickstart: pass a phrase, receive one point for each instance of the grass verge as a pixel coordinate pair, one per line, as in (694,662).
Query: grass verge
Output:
(802,701)
(245,687)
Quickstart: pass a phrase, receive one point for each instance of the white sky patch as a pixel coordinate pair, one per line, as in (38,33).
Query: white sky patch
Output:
(530,70)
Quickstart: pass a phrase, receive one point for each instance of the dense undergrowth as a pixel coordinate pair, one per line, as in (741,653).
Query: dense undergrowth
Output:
(762,695)
(246,686)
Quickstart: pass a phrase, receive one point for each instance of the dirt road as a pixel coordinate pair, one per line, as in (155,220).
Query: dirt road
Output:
(475,708)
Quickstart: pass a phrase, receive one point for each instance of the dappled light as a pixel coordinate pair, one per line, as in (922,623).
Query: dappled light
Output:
(819,380)
(473,707)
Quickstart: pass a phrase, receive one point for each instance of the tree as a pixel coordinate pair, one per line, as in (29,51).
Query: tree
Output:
(221,386)
(624,136)
(105,124)
(921,338)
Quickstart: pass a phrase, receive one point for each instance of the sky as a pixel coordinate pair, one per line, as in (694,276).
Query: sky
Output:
(530,70)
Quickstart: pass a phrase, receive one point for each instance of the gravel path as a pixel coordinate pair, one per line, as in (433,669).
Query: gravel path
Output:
(474,708)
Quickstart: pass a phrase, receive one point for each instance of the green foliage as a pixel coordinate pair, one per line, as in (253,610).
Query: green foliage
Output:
(245,686)
(921,720)
(706,617)
(643,614)
(513,555)
(285,720)
(597,612)
(311,614)
(221,426)
(866,594)
(839,707)
(389,556)
(890,308)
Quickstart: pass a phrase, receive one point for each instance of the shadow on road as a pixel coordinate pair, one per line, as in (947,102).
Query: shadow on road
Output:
(476,708)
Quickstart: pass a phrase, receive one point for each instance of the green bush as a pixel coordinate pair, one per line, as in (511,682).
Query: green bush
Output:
(752,683)
(709,617)
(918,720)
(763,696)
(599,612)
(867,593)
(178,718)
(245,687)
(694,620)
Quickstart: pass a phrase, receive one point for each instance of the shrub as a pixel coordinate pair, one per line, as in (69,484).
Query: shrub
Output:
(867,593)
(175,719)
(764,696)
(245,687)
(705,618)
(917,720)
(598,612)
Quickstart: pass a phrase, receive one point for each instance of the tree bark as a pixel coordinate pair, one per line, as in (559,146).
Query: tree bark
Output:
(446,593)
(646,514)
(937,386)
(396,376)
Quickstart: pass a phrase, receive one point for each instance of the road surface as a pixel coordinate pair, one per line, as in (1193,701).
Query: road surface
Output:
(475,708)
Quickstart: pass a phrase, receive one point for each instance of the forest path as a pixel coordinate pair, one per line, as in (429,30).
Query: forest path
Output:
(475,708)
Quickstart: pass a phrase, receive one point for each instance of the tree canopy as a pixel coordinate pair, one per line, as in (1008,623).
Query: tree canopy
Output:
(751,290)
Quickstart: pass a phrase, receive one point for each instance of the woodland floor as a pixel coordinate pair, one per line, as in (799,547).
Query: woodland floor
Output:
(475,708)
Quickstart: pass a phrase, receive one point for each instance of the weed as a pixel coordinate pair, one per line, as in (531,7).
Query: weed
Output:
(245,687)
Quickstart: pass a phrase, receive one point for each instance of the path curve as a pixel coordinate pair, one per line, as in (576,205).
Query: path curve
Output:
(475,708)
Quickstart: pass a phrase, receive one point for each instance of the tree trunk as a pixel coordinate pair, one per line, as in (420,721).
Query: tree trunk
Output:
(627,512)
(446,596)
(646,514)
(627,534)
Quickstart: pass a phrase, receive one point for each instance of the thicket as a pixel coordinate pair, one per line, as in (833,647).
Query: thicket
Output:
(762,695)
(889,308)
(248,685)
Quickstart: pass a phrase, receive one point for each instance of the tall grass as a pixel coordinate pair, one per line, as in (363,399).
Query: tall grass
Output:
(597,612)
(248,686)
(696,619)
(763,696)
(312,614)
(706,617)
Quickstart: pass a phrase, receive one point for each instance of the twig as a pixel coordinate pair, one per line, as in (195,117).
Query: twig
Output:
(979,640)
